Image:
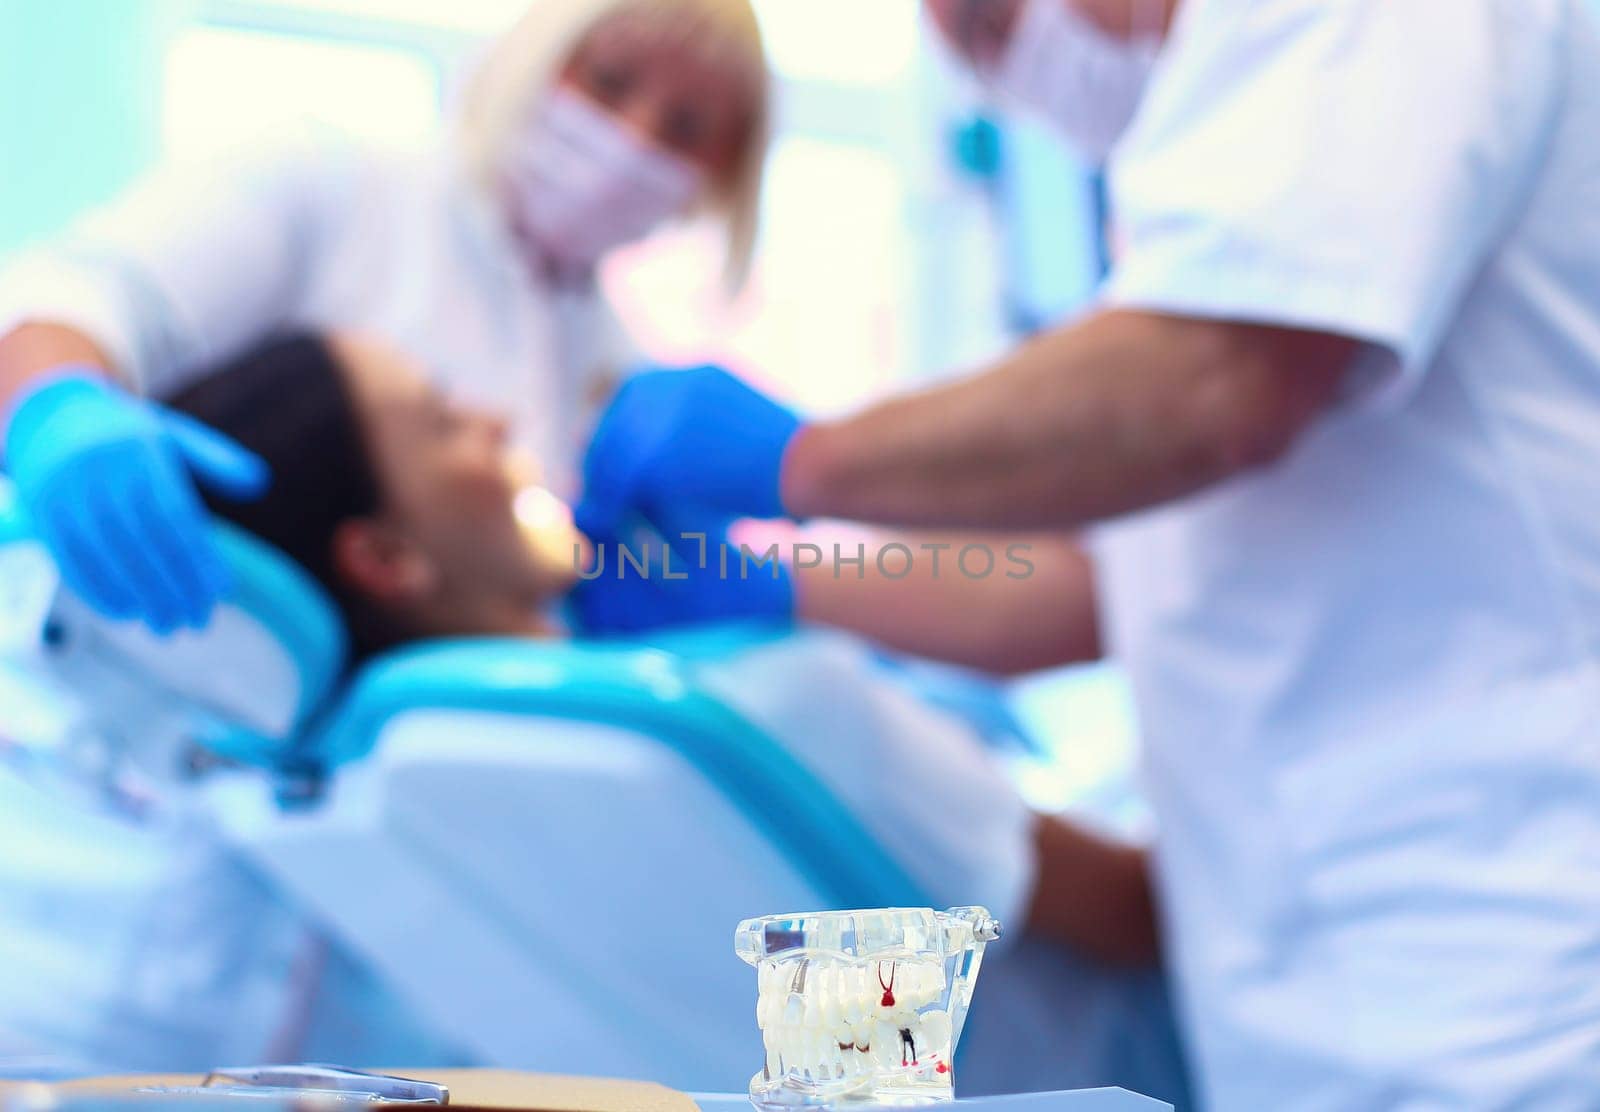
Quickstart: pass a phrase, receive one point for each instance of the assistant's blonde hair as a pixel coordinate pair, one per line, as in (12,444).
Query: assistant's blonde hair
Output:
(528,59)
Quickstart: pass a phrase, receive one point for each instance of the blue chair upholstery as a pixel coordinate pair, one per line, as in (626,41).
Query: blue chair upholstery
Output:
(584,824)
(275,592)
(275,621)
(649,691)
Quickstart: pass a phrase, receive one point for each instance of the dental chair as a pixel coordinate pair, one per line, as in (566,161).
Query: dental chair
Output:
(537,852)
(128,936)
(467,817)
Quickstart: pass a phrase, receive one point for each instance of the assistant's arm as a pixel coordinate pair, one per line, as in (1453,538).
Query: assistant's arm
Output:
(1035,609)
(1119,412)
(31,349)
(185,269)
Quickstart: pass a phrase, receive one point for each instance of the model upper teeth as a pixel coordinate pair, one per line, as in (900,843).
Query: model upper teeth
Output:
(833,1020)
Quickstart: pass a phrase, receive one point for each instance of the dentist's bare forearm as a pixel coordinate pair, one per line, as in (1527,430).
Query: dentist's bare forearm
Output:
(1122,411)
(33,349)
(1032,607)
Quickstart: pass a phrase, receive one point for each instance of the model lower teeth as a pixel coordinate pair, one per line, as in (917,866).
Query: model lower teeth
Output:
(861,1007)
(833,1021)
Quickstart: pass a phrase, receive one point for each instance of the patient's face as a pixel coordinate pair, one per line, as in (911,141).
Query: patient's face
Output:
(451,485)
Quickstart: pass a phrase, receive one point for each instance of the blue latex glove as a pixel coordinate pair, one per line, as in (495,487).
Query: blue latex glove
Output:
(632,603)
(108,481)
(696,439)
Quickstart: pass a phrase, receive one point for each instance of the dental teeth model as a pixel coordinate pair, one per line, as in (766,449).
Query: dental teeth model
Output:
(857,1006)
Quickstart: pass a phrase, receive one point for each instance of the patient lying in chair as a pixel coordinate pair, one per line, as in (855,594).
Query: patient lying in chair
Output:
(406,508)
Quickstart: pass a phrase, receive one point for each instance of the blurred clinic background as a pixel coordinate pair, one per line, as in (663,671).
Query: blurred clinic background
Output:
(908,231)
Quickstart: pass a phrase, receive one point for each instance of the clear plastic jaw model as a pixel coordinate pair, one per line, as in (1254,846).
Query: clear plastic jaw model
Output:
(859,1006)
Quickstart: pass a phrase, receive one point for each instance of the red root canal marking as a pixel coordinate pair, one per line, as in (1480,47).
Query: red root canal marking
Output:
(888,989)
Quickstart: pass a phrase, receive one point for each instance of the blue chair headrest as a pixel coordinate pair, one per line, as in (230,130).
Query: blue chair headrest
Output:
(276,592)
(272,657)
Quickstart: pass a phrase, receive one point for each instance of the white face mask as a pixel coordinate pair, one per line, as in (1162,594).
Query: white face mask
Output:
(1085,81)
(580,183)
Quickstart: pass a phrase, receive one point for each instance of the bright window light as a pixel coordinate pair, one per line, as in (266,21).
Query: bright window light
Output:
(483,16)
(823,321)
(222,84)
(1086,719)
(845,41)
(866,42)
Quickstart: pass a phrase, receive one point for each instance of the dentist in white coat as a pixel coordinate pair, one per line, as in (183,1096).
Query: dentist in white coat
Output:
(1336,426)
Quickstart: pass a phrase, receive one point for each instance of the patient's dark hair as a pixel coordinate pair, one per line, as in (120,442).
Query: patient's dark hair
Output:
(287,401)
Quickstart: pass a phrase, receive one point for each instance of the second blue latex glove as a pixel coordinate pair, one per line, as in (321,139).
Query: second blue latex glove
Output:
(108,480)
(696,439)
(703,587)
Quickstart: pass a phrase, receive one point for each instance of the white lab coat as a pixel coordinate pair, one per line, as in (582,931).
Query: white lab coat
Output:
(309,230)
(1369,677)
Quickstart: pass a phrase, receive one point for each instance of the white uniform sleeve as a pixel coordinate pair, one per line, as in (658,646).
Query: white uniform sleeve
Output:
(193,264)
(1340,165)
